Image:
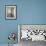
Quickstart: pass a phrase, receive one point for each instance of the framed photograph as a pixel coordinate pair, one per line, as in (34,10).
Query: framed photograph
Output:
(10,12)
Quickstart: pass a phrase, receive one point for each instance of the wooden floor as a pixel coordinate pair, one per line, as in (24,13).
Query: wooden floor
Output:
(30,43)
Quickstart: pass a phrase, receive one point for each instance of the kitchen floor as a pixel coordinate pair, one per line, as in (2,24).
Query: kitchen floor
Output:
(30,43)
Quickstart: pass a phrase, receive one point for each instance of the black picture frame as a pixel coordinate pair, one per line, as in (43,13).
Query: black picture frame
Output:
(10,12)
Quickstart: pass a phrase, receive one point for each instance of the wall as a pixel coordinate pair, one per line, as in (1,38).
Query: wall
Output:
(28,12)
